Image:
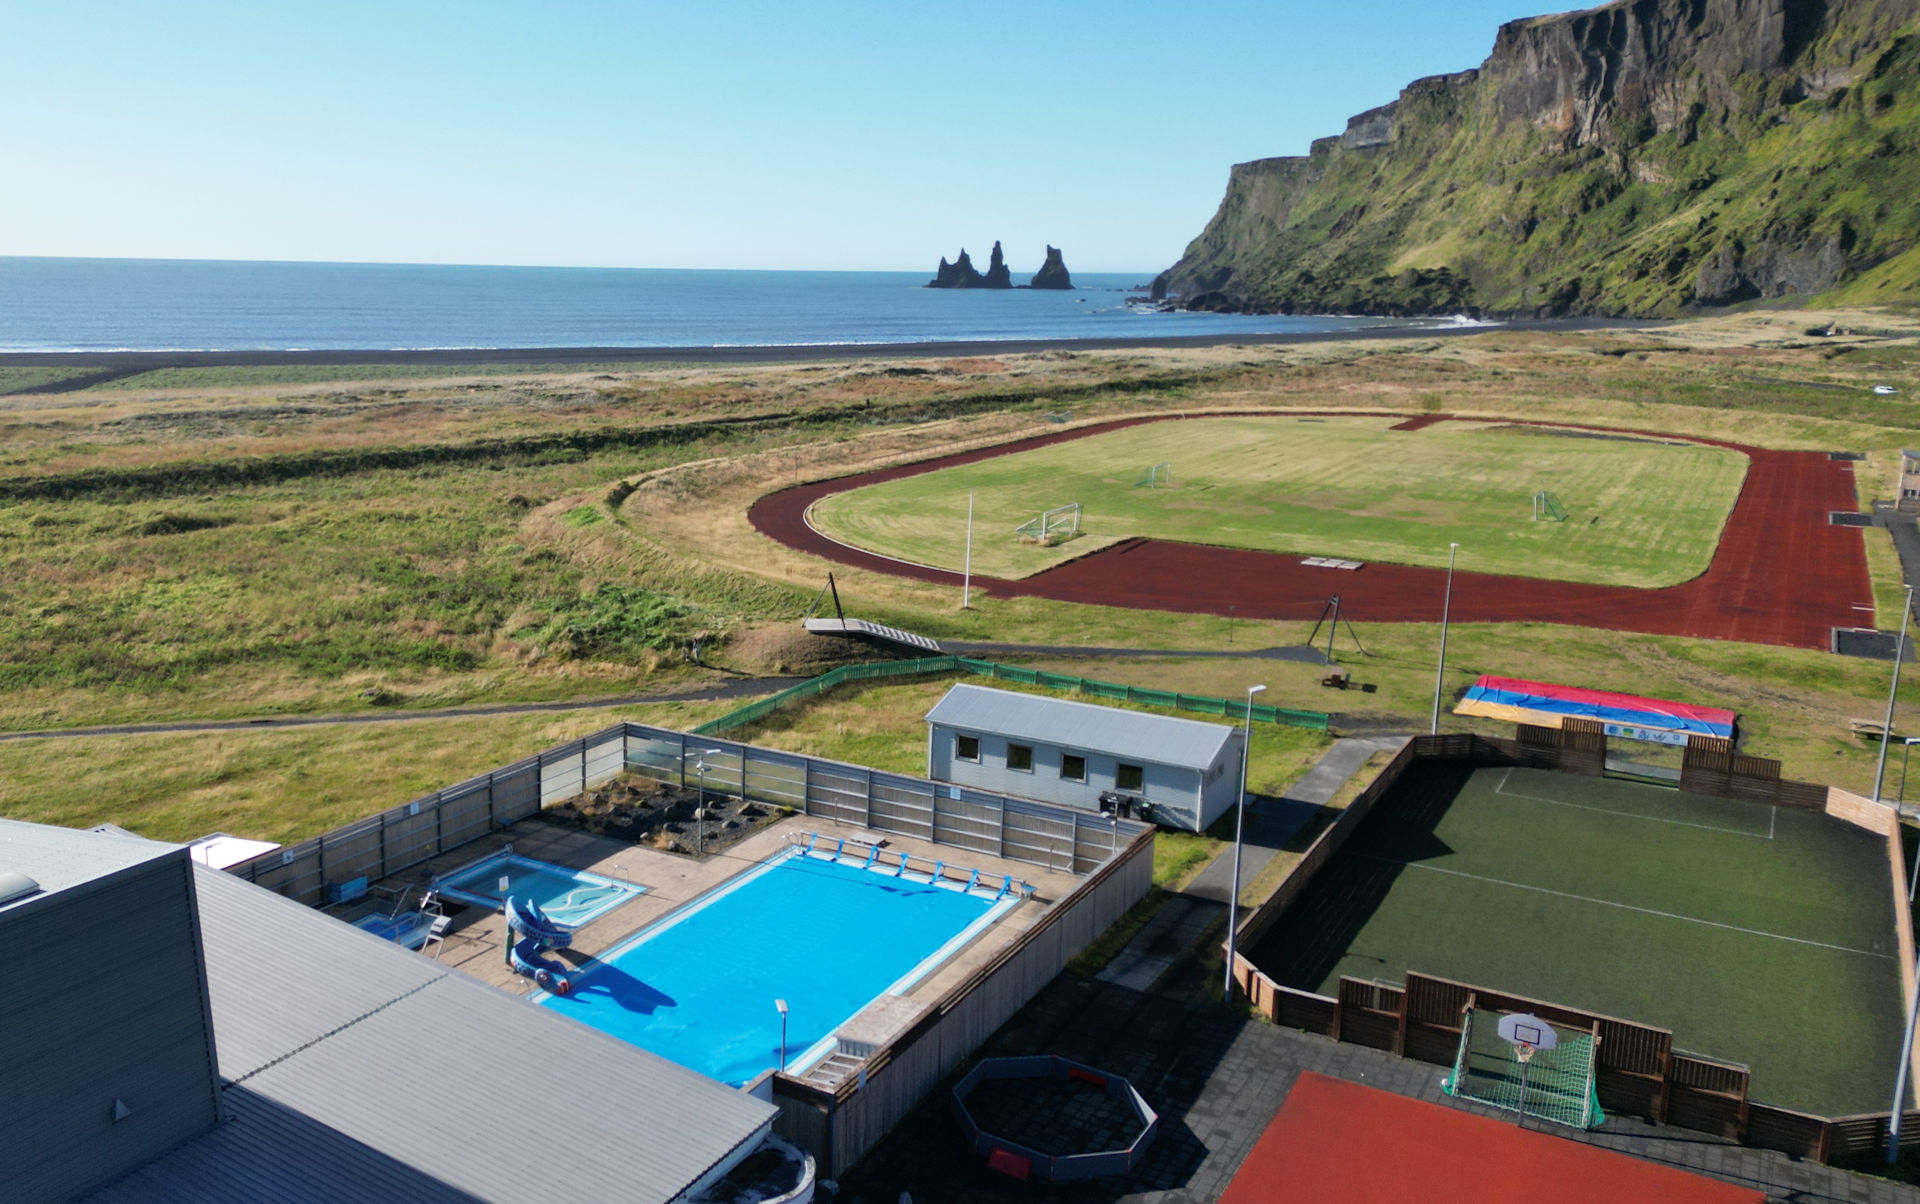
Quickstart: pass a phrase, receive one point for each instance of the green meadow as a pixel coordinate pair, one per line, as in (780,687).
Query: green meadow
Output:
(1640,512)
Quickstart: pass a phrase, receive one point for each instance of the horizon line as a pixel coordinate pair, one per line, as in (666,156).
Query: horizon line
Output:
(1149,273)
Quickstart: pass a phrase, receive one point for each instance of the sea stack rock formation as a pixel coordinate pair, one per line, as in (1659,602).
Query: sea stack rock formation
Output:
(997,274)
(959,274)
(1641,158)
(962,274)
(1052,273)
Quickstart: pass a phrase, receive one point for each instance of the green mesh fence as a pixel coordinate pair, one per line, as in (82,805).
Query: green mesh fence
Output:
(928,665)
(1556,1084)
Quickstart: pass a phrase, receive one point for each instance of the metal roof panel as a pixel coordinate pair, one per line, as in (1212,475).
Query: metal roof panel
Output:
(1158,739)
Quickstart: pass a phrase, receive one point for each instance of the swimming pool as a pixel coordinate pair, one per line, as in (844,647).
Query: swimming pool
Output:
(570,897)
(828,937)
(408,929)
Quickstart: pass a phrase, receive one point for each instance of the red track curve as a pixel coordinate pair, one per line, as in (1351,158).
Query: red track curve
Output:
(1782,574)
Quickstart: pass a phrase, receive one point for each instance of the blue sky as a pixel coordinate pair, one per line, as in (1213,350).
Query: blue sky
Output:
(776,135)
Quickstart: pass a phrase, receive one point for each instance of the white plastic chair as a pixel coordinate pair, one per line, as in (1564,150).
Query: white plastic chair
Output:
(437,934)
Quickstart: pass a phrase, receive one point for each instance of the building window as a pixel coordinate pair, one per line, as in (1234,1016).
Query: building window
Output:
(1072,768)
(966,748)
(1020,756)
(1129,777)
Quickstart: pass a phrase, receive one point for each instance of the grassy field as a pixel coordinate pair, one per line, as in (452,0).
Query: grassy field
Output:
(275,542)
(885,726)
(1757,934)
(285,784)
(1642,513)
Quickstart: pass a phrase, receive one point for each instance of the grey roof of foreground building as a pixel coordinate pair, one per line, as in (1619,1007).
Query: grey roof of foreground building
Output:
(355,1069)
(1159,739)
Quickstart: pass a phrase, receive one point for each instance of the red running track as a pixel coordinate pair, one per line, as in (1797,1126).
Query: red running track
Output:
(1335,1140)
(1782,573)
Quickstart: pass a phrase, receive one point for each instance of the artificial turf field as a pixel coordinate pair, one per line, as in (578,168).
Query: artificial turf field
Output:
(1642,512)
(1758,934)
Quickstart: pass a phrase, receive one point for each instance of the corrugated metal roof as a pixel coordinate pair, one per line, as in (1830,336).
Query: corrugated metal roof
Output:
(1157,739)
(58,858)
(371,1072)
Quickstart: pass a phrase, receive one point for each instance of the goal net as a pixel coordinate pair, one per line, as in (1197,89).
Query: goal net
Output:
(1061,522)
(1547,506)
(1159,474)
(1553,1084)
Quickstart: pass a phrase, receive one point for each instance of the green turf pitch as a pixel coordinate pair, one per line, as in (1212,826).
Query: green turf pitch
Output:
(1642,513)
(1758,934)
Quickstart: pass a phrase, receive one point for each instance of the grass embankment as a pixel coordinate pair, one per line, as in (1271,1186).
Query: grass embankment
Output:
(1640,513)
(286,784)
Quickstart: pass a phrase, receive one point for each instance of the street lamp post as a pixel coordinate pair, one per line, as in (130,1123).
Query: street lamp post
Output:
(1893,692)
(1239,829)
(1446,610)
(781,1005)
(700,812)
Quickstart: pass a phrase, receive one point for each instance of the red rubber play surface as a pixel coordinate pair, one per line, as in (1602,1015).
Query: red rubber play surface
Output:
(1781,575)
(1335,1140)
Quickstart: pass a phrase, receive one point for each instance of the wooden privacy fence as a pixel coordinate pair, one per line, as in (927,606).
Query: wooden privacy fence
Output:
(837,1124)
(1637,1070)
(982,821)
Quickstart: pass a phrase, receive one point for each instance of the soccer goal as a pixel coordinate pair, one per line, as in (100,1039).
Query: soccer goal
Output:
(1548,507)
(1061,522)
(1524,1064)
(1159,474)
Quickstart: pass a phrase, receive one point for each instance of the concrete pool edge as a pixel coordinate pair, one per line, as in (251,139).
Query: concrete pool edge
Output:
(996,908)
(443,883)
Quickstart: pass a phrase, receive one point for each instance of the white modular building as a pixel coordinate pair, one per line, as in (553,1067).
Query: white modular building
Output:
(1179,773)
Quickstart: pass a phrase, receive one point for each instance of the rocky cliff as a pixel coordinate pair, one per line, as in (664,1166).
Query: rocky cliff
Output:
(1644,157)
(1052,273)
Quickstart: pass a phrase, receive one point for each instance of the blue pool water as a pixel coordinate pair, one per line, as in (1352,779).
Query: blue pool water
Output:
(570,897)
(409,928)
(699,987)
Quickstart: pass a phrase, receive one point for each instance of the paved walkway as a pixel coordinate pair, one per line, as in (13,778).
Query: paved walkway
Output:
(743,687)
(1301,653)
(1271,823)
(1190,916)
(1216,1078)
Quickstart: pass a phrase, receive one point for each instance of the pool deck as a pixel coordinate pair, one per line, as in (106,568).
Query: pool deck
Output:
(476,941)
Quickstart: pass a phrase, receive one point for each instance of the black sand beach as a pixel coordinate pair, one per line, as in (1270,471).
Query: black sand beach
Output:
(112,365)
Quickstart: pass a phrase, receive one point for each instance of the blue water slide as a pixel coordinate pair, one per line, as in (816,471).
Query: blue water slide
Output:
(525,917)
(529,958)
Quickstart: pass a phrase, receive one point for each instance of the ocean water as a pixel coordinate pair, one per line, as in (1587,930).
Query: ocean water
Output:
(218,305)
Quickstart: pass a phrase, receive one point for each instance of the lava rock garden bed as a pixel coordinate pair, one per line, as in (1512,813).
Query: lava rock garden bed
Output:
(661,815)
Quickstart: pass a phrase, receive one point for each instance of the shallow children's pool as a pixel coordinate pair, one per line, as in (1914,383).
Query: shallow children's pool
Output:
(570,897)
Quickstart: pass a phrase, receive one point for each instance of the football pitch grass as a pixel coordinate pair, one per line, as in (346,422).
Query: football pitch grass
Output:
(1642,512)
(1758,934)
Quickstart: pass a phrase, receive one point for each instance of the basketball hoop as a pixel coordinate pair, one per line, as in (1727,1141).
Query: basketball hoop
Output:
(1528,1035)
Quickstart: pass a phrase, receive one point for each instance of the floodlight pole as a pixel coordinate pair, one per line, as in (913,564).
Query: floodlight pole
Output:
(1900,1081)
(966,579)
(1239,827)
(781,1004)
(1446,610)
(1893,692)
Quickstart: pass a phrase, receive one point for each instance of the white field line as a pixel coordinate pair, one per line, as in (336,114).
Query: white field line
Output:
(1501,789)
(1667,915)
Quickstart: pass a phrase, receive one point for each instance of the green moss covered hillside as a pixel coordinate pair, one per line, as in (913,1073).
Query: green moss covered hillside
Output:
(1643,158)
